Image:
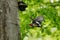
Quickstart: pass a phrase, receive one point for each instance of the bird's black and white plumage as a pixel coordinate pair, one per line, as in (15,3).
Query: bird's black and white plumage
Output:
(21,6)
(37,21)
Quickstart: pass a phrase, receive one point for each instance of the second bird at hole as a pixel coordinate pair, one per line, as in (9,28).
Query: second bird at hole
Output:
(21,6)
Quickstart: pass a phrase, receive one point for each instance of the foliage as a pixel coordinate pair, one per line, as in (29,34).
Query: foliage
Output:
(50,27)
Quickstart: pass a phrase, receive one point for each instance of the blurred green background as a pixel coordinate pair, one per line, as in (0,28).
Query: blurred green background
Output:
(50,30)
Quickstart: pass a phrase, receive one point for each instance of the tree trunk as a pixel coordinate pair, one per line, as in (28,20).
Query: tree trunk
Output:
(9,28)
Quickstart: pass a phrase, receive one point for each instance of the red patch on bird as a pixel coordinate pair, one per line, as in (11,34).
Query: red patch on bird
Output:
(30,25)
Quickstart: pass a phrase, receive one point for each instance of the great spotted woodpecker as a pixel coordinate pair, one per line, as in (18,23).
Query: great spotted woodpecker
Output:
(37,21)
(21,6)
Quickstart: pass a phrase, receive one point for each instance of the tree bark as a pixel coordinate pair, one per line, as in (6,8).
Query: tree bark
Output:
(9,28)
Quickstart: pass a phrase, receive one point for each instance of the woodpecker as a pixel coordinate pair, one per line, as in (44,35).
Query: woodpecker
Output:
(21,6)
(37,21)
